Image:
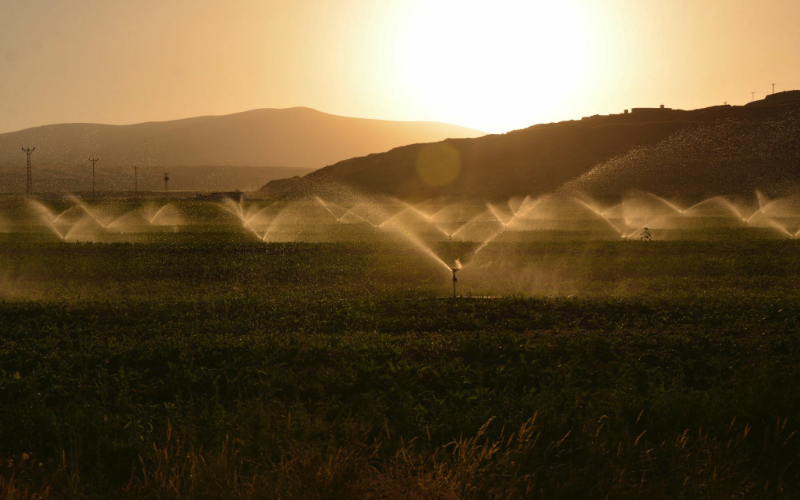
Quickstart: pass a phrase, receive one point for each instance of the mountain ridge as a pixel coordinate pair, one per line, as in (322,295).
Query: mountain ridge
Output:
(237,113)
(213,139)
(531,161)
(300,137)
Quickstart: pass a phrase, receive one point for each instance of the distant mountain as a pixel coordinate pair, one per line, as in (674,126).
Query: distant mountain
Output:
(297,137)
(545,158)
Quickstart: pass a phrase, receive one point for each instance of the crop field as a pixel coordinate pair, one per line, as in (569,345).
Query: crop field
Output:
(226,350)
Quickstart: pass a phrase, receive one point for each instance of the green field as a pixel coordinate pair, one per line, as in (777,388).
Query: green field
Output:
(195,360)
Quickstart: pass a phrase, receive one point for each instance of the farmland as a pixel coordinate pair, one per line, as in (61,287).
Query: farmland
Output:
(202,361)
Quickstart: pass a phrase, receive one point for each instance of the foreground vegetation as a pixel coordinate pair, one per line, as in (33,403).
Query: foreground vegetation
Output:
(207,367)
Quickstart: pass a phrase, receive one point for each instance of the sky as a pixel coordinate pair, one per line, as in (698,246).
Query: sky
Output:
(493,65)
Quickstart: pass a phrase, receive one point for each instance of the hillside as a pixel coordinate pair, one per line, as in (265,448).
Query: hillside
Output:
(544,158)
(297,137)
(733,156)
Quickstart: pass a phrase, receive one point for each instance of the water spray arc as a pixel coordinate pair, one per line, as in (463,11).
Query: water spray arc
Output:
(330,207)
(720,206)
(474,226)
(503,226)
(426,217)
(601,215)
(29,188)
(391,222)
(97,224)
(327,207)
(669,204)
(727,205)
(499,216)
(238,210)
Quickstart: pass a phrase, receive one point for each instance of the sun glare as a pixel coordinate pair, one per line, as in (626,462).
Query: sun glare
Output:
(494,65)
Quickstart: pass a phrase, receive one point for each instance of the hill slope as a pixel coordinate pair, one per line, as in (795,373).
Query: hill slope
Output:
(734,156)
(541,158)
(296,137)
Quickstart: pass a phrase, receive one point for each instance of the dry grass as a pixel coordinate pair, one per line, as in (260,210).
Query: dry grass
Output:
(692,464)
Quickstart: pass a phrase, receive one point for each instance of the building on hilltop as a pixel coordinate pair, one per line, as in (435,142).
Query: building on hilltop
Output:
(649,112)
(636,113)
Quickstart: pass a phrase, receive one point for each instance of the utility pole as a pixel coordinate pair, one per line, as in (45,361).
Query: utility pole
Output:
(28,152)
(166,180)
(773,88)
(135,181)
(93,160)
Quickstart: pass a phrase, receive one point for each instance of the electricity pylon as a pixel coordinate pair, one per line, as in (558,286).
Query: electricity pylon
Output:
(28,152)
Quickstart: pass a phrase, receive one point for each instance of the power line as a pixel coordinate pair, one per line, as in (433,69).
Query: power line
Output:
(93,160)
(28,153)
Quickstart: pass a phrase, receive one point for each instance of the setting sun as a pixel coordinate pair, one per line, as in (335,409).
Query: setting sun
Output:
(494,66)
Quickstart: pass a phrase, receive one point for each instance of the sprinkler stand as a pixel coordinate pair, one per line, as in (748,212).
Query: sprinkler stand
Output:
(455,280)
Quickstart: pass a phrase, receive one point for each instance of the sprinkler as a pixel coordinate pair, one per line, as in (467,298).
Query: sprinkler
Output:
(455,280)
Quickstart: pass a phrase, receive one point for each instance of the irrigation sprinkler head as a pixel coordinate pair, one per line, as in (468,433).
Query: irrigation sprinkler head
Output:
(455,280)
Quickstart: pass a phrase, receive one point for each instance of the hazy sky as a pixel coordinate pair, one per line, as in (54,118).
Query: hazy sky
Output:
(492,65)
